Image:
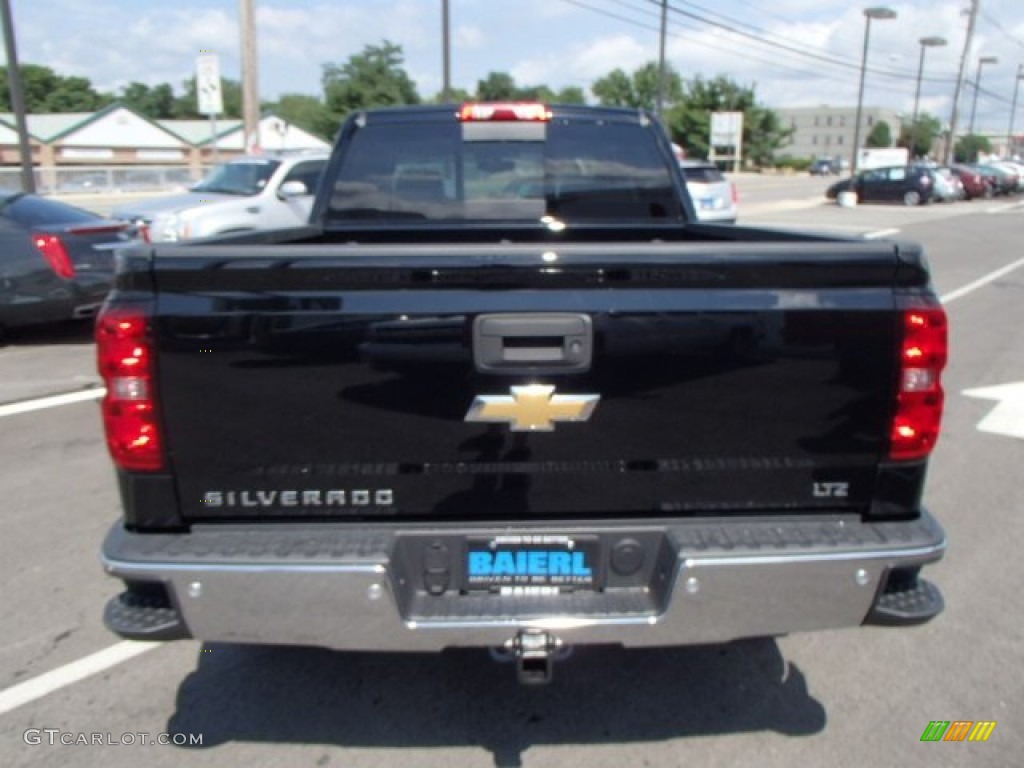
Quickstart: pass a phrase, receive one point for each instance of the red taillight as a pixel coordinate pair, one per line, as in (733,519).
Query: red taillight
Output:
(735,193)
(99,229)
(923,353)
(502,111)
(125,357)
(55,253)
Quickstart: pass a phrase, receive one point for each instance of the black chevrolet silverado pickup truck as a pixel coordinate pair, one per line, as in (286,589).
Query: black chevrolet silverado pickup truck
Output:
(506,392)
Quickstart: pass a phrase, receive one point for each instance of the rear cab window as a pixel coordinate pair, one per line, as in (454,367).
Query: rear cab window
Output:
(446,170)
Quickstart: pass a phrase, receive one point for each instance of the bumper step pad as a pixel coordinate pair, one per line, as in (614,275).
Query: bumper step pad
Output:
(136,616)
(907,605)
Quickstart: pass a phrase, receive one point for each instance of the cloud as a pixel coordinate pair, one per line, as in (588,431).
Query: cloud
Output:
(585,62)
(471,37)
(541,41)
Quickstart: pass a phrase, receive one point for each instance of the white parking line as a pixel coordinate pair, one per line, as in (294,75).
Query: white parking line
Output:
(41,403)
(1004,207)
(881,233)
(981,282)
(55,679)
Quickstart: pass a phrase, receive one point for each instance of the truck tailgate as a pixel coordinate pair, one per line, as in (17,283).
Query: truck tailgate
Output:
(336,382)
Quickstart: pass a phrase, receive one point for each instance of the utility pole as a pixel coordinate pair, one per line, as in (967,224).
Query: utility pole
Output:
(28,179)
(960,81)
(250,77)
(446,84)
(1013,109)
(660,105)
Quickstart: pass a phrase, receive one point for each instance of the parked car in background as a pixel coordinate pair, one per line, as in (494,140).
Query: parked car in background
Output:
(1003,181)
(714,197)
(948,187)
(824,167)
(245,195)
(56,260)
(907,184)
(1014,168)
(974,183)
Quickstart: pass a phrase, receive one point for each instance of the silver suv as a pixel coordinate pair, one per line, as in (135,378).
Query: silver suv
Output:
(714,196)
(244,195)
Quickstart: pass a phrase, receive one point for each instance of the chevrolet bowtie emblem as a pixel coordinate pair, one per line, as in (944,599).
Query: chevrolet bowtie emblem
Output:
(532,408)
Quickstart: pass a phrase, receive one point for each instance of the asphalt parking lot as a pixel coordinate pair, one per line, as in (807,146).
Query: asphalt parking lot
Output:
(846,698)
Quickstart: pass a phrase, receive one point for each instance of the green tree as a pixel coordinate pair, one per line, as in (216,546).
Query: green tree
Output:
(373,78)
(880,135)
(639,90)
(501,86)
(155,102)
(187,105)
(307,112)
(46,91)
(920,136)
(689,121)
(497,86)
(456,96)
(968,147)
(571,94)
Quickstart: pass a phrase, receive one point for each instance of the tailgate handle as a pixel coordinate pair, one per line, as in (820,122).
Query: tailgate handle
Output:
(533,343)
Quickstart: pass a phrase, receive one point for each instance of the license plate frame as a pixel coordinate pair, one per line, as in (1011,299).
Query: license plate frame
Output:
(533,564)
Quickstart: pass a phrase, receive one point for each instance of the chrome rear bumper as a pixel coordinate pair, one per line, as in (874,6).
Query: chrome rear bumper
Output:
(343,587)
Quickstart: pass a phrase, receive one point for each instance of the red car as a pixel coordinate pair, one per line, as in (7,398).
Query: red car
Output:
(975,183)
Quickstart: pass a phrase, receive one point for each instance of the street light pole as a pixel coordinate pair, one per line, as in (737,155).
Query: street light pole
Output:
(982,60)
(926,42)
(869,13)
(1013,109)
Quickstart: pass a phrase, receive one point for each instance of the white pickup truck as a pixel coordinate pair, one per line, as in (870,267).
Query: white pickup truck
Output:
(244,195)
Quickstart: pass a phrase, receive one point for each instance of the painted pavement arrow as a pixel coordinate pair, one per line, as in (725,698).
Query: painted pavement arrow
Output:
(1007,418)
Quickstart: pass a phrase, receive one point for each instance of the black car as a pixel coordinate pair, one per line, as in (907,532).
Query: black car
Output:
(907,184)
(56,260)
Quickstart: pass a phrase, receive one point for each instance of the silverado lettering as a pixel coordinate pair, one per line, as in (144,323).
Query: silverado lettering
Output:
(561,409)
(295,498)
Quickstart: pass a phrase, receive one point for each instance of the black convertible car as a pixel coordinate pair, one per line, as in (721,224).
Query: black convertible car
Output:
(56,260)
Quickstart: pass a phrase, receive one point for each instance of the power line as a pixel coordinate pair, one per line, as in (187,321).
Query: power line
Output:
(792,48)
(786,50)
(703,43)
(744,54)
(1009,36)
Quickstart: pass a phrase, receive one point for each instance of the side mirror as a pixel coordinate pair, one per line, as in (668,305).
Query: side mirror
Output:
(292,189)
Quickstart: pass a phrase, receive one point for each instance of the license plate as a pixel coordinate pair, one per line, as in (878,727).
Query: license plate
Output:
(532,564)
(709,202)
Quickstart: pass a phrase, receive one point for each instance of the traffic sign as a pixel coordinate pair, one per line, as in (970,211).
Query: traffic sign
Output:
(208,91)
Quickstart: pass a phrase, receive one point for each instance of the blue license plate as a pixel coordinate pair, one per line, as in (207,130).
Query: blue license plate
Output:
(532,564)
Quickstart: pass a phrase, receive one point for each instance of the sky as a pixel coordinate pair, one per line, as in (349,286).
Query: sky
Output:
(813,57)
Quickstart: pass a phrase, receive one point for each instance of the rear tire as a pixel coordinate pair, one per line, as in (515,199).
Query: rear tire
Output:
(912,197)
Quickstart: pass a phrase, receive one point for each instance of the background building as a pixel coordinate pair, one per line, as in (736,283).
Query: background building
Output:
(117,148)
(828,131)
